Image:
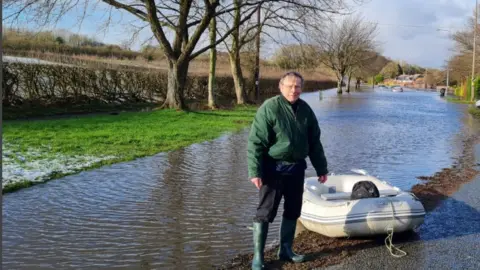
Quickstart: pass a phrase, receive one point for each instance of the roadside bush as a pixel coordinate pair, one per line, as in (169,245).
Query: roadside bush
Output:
(474,111)
(27,86)
(296,57)
(379,78)
(59,85)
(56,46)
(476,86)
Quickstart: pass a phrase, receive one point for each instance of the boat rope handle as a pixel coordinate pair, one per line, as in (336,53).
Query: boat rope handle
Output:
(388,240)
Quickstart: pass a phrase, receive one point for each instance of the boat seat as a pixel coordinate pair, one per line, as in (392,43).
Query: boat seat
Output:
(346,195)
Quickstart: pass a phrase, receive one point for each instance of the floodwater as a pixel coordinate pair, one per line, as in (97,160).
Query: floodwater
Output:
(191,209)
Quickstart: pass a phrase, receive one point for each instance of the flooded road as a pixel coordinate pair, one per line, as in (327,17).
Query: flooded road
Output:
(191,209)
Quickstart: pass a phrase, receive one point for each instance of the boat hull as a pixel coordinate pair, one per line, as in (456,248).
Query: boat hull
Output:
(364,217)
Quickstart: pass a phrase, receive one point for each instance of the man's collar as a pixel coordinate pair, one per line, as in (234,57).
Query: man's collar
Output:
(286,100)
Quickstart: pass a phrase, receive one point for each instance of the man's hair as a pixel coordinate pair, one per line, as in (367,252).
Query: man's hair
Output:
(292,73)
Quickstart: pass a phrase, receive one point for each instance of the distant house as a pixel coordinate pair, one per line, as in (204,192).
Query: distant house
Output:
(417,76)
(404,79)
(408,80)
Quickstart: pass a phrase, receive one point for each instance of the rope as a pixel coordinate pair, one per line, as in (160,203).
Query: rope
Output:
(388,240)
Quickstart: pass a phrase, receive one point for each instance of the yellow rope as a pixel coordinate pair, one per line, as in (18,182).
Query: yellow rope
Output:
(388,240)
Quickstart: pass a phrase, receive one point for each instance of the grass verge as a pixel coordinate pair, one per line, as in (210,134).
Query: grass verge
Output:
(29,112)
(457,100)
(41,150)
(474,111)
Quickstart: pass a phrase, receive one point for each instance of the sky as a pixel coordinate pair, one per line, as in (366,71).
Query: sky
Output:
(407,29)
(423,45)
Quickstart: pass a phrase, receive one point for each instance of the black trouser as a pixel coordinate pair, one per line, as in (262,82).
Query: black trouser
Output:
(275,185)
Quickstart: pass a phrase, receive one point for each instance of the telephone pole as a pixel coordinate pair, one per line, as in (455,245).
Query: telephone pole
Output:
(472,96)
(448,71)
(257,56)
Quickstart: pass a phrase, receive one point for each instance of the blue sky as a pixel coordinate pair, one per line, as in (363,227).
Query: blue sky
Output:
(407,29)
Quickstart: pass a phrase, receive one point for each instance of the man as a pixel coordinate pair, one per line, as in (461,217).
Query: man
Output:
(284,132)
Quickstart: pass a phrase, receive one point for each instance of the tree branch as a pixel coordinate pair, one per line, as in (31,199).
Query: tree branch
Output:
(247,17)
(158,30)
(140,14)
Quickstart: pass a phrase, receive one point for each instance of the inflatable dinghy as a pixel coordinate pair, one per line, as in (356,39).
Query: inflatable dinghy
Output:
(329,210)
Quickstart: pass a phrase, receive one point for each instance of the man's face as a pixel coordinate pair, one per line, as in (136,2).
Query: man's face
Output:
(291,88)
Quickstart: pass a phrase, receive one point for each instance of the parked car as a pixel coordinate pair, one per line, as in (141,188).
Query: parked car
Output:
(397,89)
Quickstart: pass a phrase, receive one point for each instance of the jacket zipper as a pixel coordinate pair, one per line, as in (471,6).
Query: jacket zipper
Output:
(296,129)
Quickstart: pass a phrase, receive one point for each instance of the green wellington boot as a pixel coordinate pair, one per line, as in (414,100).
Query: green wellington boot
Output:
(287,233)
(260,230)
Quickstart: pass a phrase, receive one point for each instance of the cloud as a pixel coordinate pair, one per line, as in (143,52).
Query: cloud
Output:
(408,28)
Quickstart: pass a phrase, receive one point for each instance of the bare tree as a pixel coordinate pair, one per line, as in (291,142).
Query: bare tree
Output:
(372,67)
(391,70)
(464,38)
(176,25)
(345,45)
(434,77)
(461,63)
(296,57)
(369,62)
(234,53)
(213,60)
(461,66)
(350,71)
(285,16)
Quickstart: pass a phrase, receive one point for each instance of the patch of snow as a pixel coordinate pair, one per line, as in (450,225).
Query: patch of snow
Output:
(26,60)
(36,166)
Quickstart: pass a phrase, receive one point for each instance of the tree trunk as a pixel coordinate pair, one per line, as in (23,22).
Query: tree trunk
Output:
(373,82)
(177,76)
(213,61)
(238,79)
(348,85)
(234,56)
(339,83)
(250,87)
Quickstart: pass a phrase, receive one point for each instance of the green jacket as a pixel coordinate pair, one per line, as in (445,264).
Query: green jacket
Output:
(279,133)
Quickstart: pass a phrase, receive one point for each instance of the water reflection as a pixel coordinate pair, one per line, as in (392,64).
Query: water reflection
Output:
(388,135)
(192,208)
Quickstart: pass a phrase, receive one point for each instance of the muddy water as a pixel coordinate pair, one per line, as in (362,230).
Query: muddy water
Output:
(190,209)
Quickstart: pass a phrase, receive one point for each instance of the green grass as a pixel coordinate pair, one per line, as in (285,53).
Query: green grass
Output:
(28,112)
(457,100)
(474,111)
(127,136)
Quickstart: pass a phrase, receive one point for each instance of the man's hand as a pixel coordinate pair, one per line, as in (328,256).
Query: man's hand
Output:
(257,182)
(322,178)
